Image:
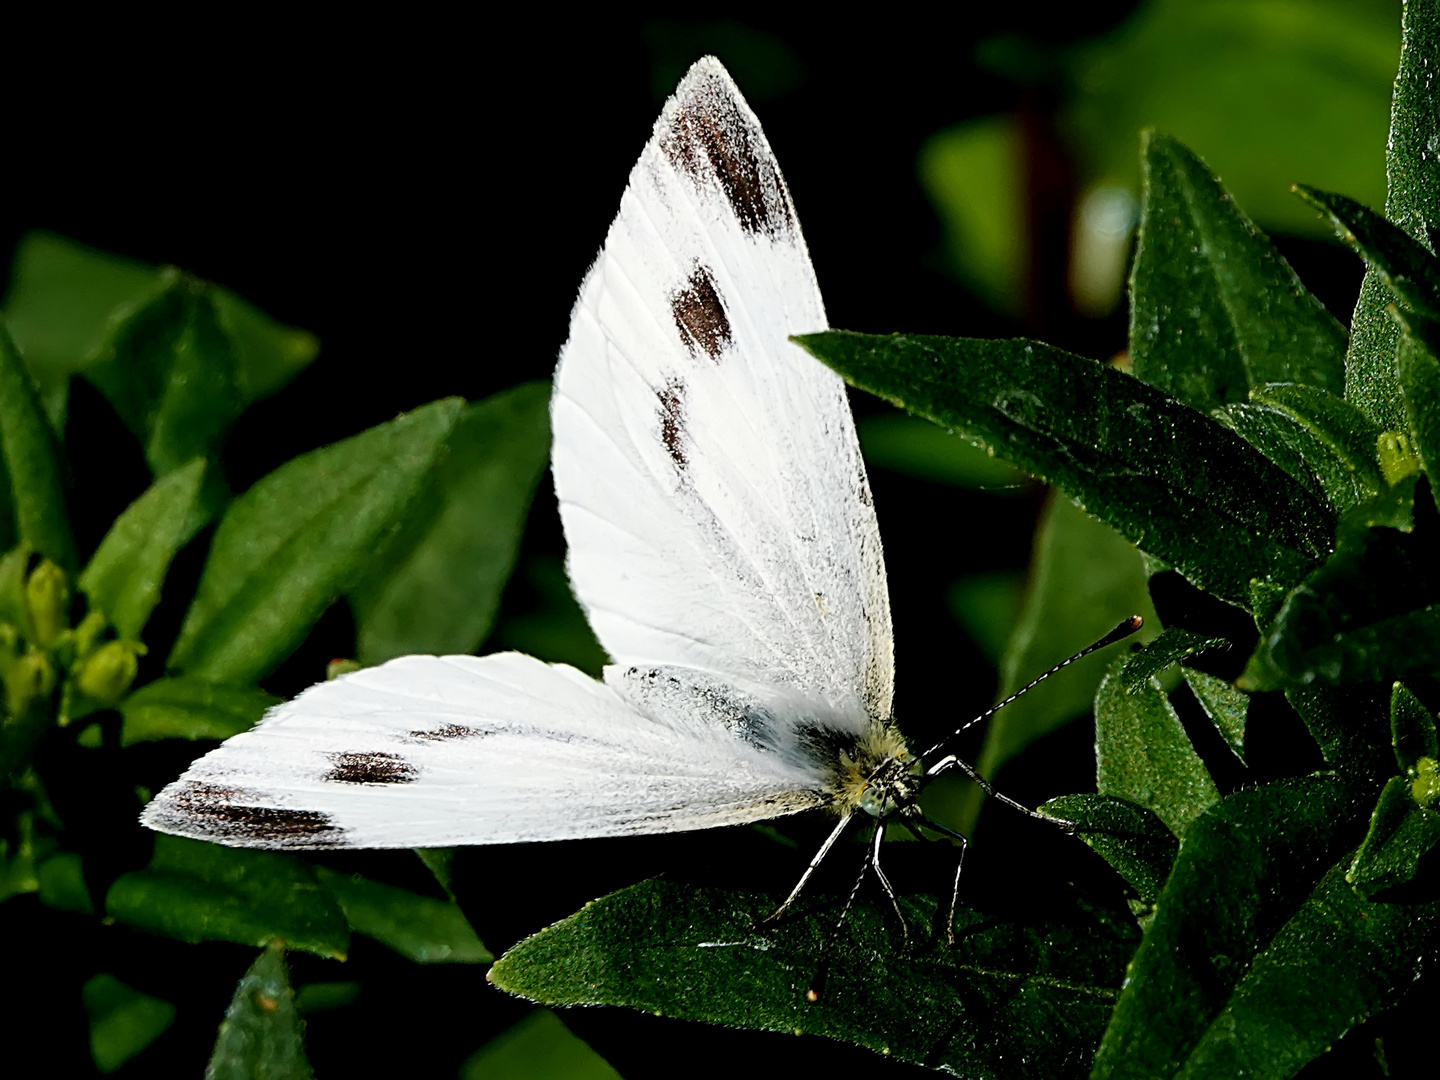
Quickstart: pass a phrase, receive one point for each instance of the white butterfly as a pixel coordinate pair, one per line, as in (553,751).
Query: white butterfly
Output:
(722,541)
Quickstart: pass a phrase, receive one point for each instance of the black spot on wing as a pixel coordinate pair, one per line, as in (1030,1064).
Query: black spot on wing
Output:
(370,768)
(234,814)
(699,315)
(672,420)
(448,732)
(713,139)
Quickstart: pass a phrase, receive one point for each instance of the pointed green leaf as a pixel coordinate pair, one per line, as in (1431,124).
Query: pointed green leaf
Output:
(64,298)
(181,707)
(169,370)
(261,1035)
(123,1021)
(1129,837)
(195,891)
(1214,309)
(33,479)
(1372,611)
(448,567)
(1084,579)
(1418,371)
(1008,1000)
(1401,833)
(1172,646)
(908,445)
(1226,706)
(1403,263)
(1336,440)
(1338,961)
(1412,202)
(299,539)
(1142,753)
(420,928)
(1349,724)
(1171,479)
(124,575)
(1412,728)
(1279,438)
(61,878)
(1244,869)
(539,1047)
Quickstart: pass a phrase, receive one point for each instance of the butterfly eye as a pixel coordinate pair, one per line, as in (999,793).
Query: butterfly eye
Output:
(874,802)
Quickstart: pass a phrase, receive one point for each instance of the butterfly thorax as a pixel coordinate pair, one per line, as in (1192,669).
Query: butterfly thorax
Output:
(879,775)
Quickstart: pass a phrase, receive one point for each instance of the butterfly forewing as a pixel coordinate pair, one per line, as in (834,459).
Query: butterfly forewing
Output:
(728,525)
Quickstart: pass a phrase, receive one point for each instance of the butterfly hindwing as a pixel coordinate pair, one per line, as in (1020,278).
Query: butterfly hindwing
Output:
(432,751)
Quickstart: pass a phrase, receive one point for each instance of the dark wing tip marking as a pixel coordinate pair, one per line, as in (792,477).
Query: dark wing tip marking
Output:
(700,316)
(711,136)
(370,768)
(234,814)
(672,420)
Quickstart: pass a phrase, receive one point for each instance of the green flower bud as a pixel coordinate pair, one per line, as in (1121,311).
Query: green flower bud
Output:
(47,603)
(106,674)
(28,679)
(1397,457)
(340,666)
(1425,782)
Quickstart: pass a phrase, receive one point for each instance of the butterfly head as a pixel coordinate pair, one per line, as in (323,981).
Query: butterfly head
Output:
(880,776)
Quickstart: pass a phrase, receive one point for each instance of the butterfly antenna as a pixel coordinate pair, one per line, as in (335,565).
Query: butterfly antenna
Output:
(1120,633)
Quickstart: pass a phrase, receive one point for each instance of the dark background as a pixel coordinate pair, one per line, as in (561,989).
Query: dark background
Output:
(425,195)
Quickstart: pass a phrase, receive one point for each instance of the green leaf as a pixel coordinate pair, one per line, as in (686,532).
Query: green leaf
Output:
(539,1047)
(1336,441)
(195,891)
(169,369)
(1403,263)
(1084,579)
(61,878)
(124,575)
(1412,202)
(1008,1000)
(909,445)
(1401,833)
(1171,647)
(1349,724)
(324,996)
(1226,706)
(1372,611)
(123,1021)
(420,928)
(33,480)
(64,297)
(1142,753)
(181,707)
(261,1035)
(299,539)
(989,606)
(1214,309)
(1418,372)
(1166,477)
(1412,728)
(1338,961)
(1243,871)
(447,569)
(1279,438)
(1129,837)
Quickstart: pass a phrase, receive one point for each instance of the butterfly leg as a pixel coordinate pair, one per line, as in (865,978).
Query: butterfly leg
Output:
(817,984)
(964,843)
(824,850)
(950,761)
(885,883)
